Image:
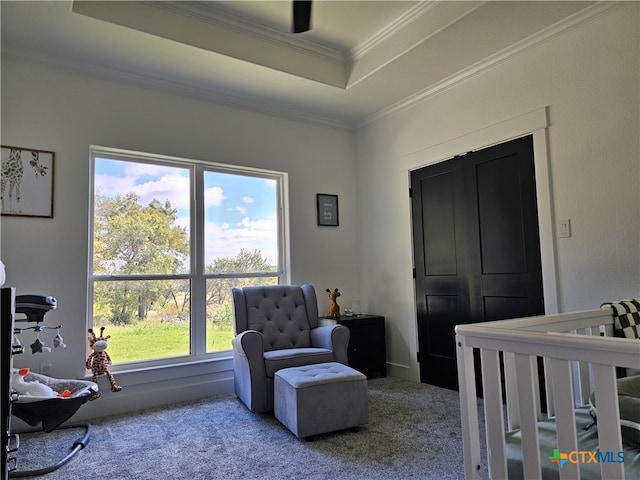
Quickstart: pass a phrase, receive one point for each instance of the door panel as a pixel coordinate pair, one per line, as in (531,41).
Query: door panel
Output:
(498,308)
(444,311)
(477,250)
(500,216)
(438,218)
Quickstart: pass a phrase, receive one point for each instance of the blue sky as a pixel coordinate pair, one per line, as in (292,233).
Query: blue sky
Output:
(240,211)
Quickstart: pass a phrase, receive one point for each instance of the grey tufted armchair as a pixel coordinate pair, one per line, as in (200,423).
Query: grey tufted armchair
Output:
(277,327)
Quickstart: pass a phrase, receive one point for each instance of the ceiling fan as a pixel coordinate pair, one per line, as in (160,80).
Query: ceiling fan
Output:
(301,16)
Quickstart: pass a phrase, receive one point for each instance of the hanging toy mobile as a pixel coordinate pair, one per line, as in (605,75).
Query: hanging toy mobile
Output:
(58,341)
(34,307)
(39,346)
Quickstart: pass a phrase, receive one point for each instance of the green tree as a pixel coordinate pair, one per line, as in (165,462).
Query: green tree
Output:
(219,291)
(131,239)
(219,311)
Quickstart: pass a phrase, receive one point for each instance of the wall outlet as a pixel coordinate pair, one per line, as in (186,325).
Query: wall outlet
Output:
(45,369)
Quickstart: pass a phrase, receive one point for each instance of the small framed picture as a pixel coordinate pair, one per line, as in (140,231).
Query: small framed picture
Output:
(327,210)
(27,182)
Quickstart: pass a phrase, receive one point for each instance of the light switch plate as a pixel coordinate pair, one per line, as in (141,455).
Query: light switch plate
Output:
(564,228)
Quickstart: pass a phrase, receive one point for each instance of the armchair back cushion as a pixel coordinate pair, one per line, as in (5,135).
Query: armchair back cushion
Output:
(283,314)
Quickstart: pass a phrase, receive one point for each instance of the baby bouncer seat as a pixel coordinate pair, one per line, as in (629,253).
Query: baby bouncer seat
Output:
(40,399)
(52,412)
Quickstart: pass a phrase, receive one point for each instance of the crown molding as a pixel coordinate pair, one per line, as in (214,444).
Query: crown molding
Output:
(558,29)
(210,13)
(391,30)
(410,31)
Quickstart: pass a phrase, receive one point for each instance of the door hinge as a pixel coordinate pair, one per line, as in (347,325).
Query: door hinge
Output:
(414,273)
(419,358)
(410,192)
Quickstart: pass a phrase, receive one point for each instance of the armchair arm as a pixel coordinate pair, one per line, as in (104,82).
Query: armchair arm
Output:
(334,338)
(249,373)
(249,348)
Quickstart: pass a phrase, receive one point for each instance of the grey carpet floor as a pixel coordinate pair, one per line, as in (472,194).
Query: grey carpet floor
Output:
(413,432)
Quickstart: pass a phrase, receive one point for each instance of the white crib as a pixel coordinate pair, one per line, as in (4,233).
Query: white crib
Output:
(579,354)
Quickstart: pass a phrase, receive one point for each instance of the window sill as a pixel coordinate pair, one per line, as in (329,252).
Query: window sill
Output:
(139,375)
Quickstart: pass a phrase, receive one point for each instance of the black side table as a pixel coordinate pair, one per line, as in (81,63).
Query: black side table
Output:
(367,349)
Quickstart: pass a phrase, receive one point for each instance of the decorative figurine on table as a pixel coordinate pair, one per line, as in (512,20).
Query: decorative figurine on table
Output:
(99,360)
(334,308)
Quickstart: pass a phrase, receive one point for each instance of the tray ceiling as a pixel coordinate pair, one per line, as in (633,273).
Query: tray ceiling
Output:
(359,60)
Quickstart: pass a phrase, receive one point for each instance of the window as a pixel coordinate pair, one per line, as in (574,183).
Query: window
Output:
(169,239)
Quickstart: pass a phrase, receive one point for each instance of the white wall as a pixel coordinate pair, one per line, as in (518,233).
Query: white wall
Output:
(50,109)
(588,78)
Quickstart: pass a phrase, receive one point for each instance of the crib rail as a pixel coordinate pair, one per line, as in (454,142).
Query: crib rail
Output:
(579,357)
(559,322)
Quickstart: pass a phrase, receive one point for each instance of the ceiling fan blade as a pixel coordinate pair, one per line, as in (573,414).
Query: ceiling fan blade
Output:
(301,16)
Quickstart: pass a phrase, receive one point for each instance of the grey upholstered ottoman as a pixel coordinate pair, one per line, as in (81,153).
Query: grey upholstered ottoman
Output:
(320,398)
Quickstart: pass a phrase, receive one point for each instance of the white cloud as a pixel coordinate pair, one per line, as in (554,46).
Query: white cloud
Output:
(110,186)
(174,188)
(262,224)
(213,196)
(171,186)
(137,170)
(222,241)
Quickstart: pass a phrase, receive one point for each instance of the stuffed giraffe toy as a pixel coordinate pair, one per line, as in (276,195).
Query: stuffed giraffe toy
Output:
(334,308)
(99,360)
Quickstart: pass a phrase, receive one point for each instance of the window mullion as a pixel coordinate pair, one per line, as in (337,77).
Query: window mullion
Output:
(198,285)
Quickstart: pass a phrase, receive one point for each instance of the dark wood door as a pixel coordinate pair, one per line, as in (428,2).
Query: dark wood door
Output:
(476,248)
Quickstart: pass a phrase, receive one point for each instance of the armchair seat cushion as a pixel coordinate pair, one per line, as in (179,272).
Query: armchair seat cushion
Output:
(275,360)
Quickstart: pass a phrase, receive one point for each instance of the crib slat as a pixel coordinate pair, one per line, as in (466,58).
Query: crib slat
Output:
(548,387)
(609,435)
(607,330)
(565,418)
(493,414)
(511,392)
(582,376)
(526,369)
(468,411)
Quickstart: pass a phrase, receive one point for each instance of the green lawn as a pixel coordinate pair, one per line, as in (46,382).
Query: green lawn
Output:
(152,340)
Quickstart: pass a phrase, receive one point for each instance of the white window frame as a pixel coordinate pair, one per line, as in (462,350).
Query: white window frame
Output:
(196,275)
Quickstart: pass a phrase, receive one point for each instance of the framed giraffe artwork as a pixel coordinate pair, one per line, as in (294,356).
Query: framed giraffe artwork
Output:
(27,182)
